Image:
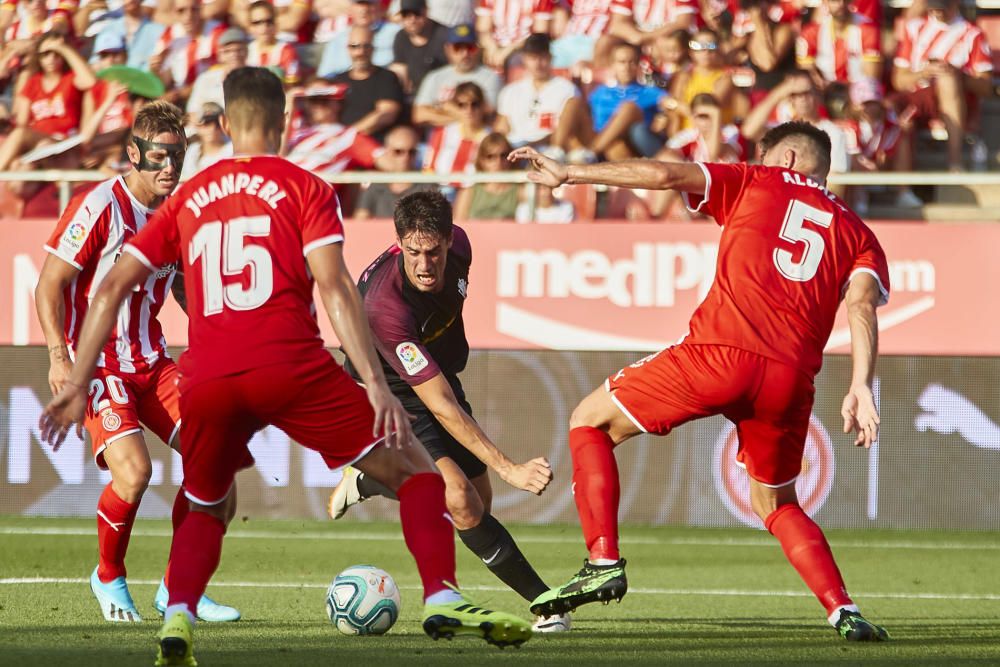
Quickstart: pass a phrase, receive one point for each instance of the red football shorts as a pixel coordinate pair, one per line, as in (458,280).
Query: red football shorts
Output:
(770,402)
(318,406)
(122,403)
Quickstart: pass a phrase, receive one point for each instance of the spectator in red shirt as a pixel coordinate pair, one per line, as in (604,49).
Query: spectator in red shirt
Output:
(504,25)
(48,101)
(840,45)
(265,50)
(942,62)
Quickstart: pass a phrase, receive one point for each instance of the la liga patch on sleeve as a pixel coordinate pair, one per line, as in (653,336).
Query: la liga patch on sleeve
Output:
(413,359)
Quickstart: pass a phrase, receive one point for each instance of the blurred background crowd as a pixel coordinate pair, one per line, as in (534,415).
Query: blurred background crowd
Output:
(448,86)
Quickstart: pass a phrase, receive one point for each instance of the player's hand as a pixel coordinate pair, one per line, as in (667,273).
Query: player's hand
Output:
(66,409)
(546,170)
(59,372)
(391,420)
(533,475)
(860,415)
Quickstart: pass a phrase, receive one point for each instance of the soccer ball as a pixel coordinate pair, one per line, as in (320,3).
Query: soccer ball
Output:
(363,600)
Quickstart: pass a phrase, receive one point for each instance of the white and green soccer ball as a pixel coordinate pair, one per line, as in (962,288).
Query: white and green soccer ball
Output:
(363,600)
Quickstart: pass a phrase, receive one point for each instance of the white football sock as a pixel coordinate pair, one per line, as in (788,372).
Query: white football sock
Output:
(835,616)
(443,597)
(602,561)
(174,608)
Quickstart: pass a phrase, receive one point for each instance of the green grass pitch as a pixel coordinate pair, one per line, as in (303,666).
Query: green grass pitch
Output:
(696,596)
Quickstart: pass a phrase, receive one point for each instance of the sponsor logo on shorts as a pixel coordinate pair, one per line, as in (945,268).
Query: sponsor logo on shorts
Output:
(74,235)
(813,485)
(111,421)
(413,359)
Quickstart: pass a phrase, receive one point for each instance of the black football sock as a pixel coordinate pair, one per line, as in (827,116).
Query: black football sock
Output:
(496,548)
(369,486)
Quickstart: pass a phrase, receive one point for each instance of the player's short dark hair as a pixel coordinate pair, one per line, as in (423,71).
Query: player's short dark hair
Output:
(255,97)
(798,129)
(156,118)
(426,212)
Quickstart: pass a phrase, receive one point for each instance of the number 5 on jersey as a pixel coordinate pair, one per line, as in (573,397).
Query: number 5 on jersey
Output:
(224,252)
(793,231)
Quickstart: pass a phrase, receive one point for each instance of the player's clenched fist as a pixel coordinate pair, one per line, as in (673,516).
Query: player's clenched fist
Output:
(533,475)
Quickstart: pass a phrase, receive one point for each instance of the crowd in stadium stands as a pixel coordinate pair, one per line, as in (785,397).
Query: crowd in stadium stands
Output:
(449,86)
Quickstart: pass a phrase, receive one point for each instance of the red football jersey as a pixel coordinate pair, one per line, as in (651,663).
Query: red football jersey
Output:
(788,250)
(242,228)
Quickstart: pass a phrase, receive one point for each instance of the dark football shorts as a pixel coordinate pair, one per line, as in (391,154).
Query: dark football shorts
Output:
(440,443)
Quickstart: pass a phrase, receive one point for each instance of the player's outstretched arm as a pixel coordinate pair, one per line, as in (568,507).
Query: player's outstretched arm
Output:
(859,411)
(50,305)
(644,174)
(347,315)
(437,395)
(67,407)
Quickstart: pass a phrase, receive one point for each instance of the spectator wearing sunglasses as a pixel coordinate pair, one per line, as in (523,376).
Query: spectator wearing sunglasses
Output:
(265,50)
(370,14)
(706,74)
(452,148)
(419,46)
(374,98)
(211,145)
(433,103)
(379,200)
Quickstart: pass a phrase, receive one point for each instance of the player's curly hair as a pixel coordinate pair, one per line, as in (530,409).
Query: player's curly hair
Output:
(156,118)
(817,139)
(426,212)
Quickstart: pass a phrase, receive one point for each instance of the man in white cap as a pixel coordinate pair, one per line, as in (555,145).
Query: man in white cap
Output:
(208,86)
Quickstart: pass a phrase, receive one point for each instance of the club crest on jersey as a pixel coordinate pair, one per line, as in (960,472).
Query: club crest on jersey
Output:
(413,359)
(74,235)
(111,421)
(463,286)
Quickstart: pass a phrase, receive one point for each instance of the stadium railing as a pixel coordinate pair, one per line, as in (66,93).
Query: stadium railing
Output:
(64,179)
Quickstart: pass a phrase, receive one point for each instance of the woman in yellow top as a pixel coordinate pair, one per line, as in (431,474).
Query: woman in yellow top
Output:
(706,74)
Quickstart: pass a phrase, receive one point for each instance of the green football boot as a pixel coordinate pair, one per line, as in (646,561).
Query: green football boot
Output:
(854,627)
(463,618)
(176,645)
(593,583)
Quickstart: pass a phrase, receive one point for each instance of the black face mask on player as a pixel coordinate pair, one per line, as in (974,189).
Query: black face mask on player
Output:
(174,155)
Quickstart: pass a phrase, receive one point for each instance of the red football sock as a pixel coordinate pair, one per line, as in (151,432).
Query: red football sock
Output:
(114,528)
(596,490)
(807,550)
(428,533)
(194,556)
(181,508)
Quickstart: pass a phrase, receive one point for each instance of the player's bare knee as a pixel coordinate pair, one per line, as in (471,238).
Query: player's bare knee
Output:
(585,415)
(130,479)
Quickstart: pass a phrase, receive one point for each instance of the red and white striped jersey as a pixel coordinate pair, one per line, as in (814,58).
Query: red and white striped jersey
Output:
(281,54)
(652,14)
(588,17)
(838,57)
(449,152)
(959,43)
(692,145)
(90,235)
(869,140)
(332,148)
(328,26)
(779,12)
(186,58)
(23,27)
(305,33)
(513,19)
